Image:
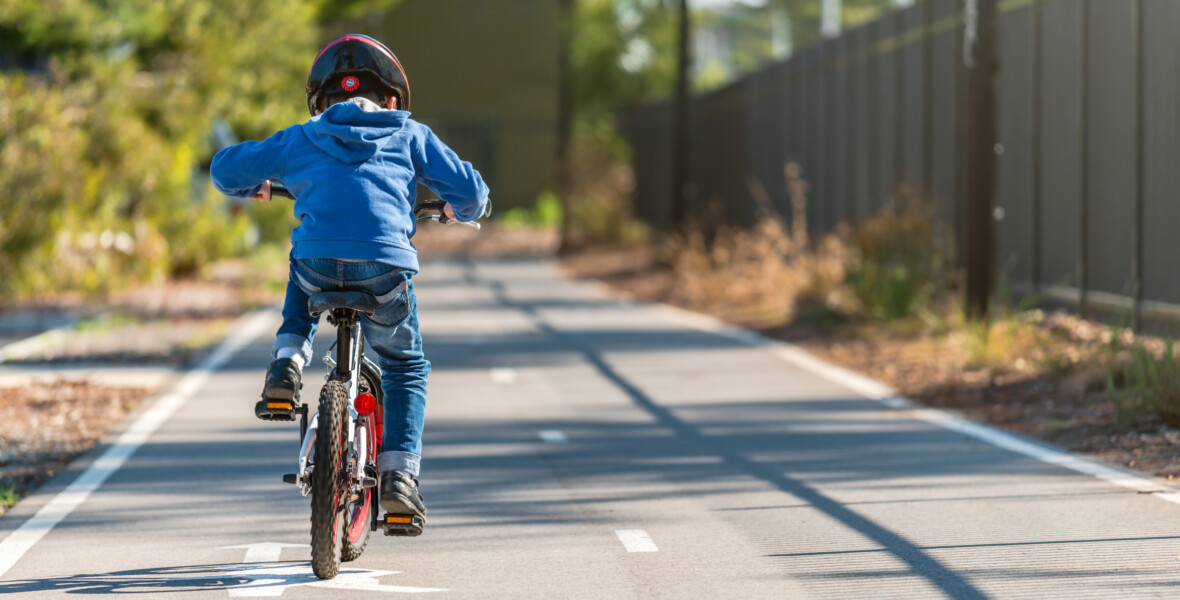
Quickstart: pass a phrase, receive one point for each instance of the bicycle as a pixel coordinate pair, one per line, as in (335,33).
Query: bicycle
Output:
(339,471)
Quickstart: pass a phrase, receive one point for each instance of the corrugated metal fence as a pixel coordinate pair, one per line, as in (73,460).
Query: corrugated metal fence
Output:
(1088,103)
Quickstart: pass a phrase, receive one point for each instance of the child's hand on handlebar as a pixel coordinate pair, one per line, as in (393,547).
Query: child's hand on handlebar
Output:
(263,195)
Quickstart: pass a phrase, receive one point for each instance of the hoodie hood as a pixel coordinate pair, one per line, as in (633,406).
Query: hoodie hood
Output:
(352,132)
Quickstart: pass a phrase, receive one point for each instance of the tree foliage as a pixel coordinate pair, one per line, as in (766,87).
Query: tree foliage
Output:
(806,15)
(621,52)
(624,51)
(106,114)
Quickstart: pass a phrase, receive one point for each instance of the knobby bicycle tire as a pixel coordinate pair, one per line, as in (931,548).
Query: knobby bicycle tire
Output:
(327,523)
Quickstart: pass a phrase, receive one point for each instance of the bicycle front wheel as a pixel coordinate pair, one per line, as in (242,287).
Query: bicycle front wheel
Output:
(327,481)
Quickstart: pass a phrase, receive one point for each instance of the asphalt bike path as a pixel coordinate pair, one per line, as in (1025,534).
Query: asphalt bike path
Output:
(578,446)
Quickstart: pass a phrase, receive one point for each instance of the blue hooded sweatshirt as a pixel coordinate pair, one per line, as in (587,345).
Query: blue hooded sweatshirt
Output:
(354,170)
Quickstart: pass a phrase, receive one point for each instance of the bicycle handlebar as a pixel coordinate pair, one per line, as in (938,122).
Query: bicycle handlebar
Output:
(421,211)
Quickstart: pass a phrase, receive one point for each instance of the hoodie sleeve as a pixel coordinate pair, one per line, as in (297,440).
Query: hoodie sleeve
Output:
(240,170)
(454,180)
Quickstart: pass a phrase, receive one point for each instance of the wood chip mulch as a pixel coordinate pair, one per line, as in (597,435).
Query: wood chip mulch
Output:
(44,426)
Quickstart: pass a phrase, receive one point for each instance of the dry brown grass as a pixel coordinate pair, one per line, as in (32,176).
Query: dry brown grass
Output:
(758,276)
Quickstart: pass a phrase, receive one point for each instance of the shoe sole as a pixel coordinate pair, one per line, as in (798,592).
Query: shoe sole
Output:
(399,505)
(278,394)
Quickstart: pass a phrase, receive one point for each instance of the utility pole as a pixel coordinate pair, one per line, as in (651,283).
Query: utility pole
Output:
(979,53)
(565,116)
(682,149)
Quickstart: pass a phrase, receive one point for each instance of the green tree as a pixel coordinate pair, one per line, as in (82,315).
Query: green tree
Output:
(805,16)
(106,109)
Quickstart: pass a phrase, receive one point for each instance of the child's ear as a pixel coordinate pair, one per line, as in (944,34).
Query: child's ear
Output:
(391,103)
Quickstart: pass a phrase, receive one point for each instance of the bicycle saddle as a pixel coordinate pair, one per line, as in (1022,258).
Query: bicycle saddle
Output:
(362,302)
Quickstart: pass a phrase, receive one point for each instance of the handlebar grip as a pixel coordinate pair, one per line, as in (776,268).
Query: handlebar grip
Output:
(281,191)
(434,204)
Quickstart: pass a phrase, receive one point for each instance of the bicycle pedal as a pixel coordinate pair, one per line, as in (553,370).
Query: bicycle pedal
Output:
(291,478)
(275,410)
(403,525)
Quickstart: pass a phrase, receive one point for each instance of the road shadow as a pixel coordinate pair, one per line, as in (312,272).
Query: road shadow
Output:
(161,580)
(730,454)
(799,447)
(241,579)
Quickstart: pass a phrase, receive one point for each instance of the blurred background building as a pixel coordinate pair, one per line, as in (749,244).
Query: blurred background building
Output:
(484,76)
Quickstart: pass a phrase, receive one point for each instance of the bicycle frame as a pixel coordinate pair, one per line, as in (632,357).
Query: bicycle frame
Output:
(350,343)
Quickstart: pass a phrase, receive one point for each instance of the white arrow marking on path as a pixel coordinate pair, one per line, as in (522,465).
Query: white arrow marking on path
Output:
(503,376)
(266,577)
(554,436)
(636,540)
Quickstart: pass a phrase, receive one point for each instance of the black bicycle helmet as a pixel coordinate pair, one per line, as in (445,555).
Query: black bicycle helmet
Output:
(355,64)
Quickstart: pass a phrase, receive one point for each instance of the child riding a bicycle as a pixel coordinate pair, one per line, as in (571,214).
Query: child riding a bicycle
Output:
(354,168)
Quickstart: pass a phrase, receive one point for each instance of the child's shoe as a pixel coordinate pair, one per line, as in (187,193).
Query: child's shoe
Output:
(280,397)
(405,511)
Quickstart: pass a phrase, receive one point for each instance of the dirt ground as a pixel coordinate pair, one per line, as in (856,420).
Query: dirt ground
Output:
(44,426)
(456,241)
(1071,409)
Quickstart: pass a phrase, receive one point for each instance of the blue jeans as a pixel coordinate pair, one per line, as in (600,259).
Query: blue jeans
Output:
(392,334)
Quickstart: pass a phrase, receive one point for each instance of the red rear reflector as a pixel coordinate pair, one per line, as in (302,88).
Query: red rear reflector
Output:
(365,404)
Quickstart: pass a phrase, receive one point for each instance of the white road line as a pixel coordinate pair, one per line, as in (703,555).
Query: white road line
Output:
(875,390)
(636,540)
(553,436)
(23,348)
(20,541)
(503,376)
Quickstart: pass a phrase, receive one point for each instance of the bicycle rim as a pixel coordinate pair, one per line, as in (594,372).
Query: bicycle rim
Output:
(357,528)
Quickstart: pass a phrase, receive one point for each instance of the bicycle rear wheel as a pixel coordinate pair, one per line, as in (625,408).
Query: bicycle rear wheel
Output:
(359,512)
(327,482)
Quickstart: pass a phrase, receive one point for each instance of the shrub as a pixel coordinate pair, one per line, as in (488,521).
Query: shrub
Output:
(546,212)
(105,115)
(600,185)
(1147,383)
(762,275)
(898,263)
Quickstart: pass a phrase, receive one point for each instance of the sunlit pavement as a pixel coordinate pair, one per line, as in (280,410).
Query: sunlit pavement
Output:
(578,446)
